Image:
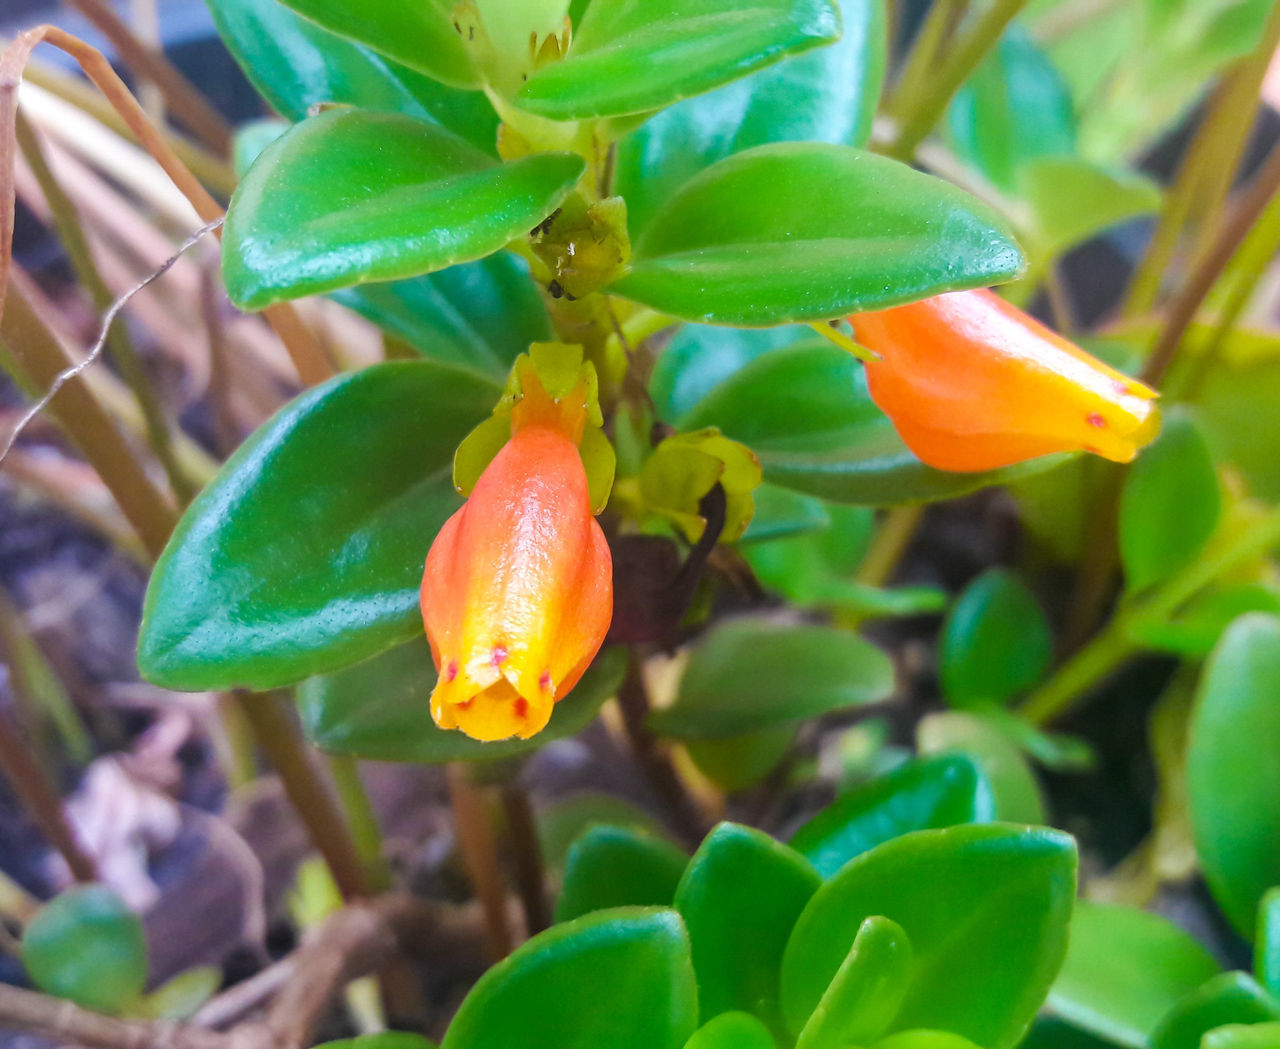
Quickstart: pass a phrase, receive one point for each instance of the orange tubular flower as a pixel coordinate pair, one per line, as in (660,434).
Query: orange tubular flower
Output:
(972,383)
(518,590)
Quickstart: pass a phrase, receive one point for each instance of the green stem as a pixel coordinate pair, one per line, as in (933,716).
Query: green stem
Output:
(1097,660)
(916,124)
(120,346)
(889,544)
(939,24)
(363,820)
(277,732)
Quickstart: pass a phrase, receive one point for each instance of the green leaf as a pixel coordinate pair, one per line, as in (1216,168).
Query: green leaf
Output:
(1229,998)
(348,197)
(700,357)
(181,995)
(811,231)
(1072,199)
(1266,945)
(305,553)
(866,992)
(732,1031)
(1194,632)
(751,674)
(1170,506)
(87,946)
(995,641)
(1124,970)
(1233,779)
(481,315)
(295,64)
(381,1040)
(740,896)
(1013,108)
(985,907)
(618,867)
(783,514)
(379,710)
(738,762)
(1014,789)
(631,56)
(921,795)
(621,979)
(827,95)
(1242,1036)
(420,35)
(561,823)
(924,1040)
(806,413)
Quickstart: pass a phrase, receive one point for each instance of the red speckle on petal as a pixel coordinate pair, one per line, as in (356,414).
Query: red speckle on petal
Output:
(466,705)
(499,655)
(545,681)
(521,707)
(1123,389)
(1096,419)
(451,671)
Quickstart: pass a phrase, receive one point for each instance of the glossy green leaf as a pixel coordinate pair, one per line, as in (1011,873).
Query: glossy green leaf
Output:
(995,641)
(87,946)
(751,674)
(985,907)
(921,795)
(740,897)
(1013,108)
(783,514)
(1015,791)
(380,710)
(382,1040)
(739,762)
(1048,1033)
(1073,199)
(805,411)
(1229,998)
(1195,631)
(561,823)
(305,553)
(251,139)
(827,95)
(420,35)
(480,315)
(1124,970)
(732,1031)
(1170,505)
(1242,1036)
(348,197)
(295,64)
(810,231)
(618,978)
(700,357)
(866,992)
(632,56)
(1233,779)
(618,867)
(1266,944)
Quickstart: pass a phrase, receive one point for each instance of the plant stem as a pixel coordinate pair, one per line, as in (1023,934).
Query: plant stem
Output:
(968,52)
(187,103)
(889,544)
(276,729)
(633,701)
(522,830)
(40,798)
(94,432)
(362,819)
(70,232)
(1064,691)
(480,856)
(939,23)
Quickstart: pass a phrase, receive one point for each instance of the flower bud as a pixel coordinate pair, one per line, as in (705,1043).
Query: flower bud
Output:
(518,589)
(973,383)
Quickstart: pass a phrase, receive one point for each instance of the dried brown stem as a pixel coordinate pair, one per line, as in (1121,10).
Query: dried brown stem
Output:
(522,830)
(187,103)
(40,799)
(480,856)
